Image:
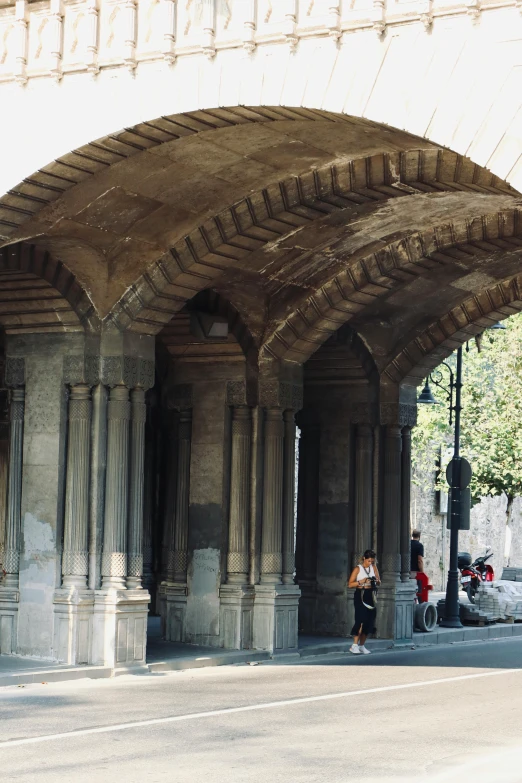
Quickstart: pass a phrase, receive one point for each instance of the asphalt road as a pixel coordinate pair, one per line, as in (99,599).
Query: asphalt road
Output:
(443,714)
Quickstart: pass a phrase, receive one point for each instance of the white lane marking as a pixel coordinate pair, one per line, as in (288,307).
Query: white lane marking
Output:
(249,708)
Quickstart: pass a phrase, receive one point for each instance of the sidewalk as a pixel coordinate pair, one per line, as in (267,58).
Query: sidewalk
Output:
(168,656)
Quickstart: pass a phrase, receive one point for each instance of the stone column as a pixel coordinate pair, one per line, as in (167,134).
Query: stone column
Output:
(75,558)
(137,454)
(272,534)
(168,452)
(276,602)
(97,482)
(391,559)
(405,503)
(288,499)
(172,594)
(237,595)
(120,610)
(363,490)
(395,605)
(307,519)
(178,557)
(114,558)
(238,533)
(14,489)
(4,474)
(149,506)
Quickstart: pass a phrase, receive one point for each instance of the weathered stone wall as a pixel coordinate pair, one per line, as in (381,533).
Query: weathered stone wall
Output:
(488,528)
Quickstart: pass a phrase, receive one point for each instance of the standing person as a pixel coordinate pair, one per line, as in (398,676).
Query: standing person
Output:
(416,558)
(364,578)
(416,554)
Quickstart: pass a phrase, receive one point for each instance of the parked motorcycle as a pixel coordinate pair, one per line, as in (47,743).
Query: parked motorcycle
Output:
(473,574)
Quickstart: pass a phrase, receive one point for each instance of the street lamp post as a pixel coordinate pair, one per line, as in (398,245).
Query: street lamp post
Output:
(452,611)
(458,477)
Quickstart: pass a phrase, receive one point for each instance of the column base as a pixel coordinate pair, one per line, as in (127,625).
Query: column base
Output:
(120,627)
(395,611)
(236,616)
(173,610)
(334,613)
(9,600)
(275,618)
(73,624)
(307,605)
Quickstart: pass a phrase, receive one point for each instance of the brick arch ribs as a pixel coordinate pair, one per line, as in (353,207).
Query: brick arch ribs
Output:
(376,275)
(225,242)
(39,294)
(442,337)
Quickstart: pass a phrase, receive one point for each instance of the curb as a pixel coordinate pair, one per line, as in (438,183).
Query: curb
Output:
(180,664)
(420,640)
(55,675)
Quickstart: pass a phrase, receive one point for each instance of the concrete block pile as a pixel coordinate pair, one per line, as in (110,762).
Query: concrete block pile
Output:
(502,598)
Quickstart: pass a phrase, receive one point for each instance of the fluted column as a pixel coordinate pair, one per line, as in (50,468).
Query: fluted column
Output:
(178,556)
(288,498)
(14,488)
(114,558)
(405,504)
(75,560)
(148,505)
(391,560)
(137,455)
(308,502)
(4,475)
(363,490)
(272,533)
(238,533)
(169,455)
(97,482)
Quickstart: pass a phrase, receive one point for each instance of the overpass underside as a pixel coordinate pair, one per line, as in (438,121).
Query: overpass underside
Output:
(211,286)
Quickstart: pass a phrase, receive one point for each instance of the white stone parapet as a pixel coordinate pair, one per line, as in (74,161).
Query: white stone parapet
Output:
(54,38)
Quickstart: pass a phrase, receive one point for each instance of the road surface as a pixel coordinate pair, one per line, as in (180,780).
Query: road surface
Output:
(409,715)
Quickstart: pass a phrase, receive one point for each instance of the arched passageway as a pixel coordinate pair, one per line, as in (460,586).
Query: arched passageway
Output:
(210,283)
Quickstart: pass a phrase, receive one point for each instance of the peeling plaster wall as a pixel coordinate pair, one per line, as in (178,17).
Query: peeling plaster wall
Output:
(208,507)
(42,487)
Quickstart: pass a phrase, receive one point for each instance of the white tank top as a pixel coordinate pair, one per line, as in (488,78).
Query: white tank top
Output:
(365,574)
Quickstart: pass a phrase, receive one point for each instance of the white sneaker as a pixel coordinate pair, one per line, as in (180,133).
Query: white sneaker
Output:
(364,650)
(355,649)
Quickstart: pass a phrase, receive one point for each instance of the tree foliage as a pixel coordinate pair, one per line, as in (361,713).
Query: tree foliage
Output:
(491,414)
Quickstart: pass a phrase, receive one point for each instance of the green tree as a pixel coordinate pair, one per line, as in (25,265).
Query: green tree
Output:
(491,415)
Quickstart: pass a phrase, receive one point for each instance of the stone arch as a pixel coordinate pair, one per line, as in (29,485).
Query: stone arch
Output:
(38,293)
(426,351)
(375,275)
(344,358)
(209,254)
(238,345)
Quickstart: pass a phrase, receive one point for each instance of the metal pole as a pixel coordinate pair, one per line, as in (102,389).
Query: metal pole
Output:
(452,611)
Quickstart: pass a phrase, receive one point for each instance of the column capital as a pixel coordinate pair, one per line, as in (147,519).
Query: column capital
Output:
(398,414)
(280,394)
(240,393)
(92,368)
(14,371)
(363,413)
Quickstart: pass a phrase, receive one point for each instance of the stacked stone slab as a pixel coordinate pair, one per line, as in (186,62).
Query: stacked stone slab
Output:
(503,599)
(512,574)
